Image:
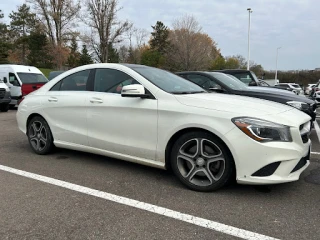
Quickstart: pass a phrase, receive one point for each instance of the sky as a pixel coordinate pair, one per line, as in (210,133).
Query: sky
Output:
(293,25)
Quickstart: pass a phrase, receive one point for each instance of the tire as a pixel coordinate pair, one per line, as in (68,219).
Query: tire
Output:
(4,107)
(40,136)
(206,170)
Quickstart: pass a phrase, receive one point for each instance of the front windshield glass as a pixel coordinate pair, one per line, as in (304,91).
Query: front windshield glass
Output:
(32,78)
(229,80)
(167,81)
(243,77)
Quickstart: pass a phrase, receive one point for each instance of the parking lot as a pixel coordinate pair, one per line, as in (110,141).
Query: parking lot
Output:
(34,207)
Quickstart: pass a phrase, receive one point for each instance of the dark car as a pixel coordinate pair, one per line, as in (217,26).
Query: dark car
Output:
(53,74)
(223,83)
(247,77)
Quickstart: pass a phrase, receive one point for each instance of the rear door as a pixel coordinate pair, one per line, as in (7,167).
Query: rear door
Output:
(66,108)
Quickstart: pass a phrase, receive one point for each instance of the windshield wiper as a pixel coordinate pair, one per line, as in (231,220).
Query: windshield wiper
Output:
(188,92)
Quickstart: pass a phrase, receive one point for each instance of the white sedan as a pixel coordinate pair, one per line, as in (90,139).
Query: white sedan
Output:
(153,117)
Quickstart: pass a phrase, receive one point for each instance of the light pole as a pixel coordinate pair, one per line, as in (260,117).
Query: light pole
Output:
(276,75)
(248,60)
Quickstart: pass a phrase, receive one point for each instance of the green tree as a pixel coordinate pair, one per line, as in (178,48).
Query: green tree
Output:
(85,57)
(4,41)
(22,22)
(38,50)
(232,63)
(152,58)
(159,38)
(113,55)
(74,56)
(219,63)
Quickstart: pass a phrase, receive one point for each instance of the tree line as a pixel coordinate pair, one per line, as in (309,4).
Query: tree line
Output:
(46,34)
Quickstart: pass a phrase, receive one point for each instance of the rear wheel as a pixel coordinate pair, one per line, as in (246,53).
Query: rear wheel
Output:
(4,107)
(201,161)
(40,136)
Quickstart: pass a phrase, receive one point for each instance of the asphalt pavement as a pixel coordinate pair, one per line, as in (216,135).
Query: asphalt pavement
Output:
(31,209)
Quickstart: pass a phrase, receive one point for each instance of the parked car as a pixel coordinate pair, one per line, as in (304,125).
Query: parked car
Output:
(21,80)
(247,77)
(291,87)
(5,97)
(53,74)
(309,89)
(223,83)
(153,117)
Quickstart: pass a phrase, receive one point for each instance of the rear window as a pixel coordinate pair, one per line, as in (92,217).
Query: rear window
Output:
(295,85)
(32,78)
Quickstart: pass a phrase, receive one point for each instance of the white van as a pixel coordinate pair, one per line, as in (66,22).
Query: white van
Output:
(17,75)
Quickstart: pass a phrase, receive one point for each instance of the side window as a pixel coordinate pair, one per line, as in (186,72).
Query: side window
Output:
(13,79)
(75,82)
(56,87)
(203,81)
(111,80)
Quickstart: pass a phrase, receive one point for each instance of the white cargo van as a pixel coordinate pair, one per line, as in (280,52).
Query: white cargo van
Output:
(17,75)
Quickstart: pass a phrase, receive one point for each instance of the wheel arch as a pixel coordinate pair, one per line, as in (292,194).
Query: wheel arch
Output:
(181,132)
(32,116)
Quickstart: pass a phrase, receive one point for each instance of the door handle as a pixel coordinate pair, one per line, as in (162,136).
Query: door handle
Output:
(52,99)
(34,87)
(96,100)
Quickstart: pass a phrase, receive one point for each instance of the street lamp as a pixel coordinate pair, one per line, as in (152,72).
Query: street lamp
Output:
(276,75)
(248,61)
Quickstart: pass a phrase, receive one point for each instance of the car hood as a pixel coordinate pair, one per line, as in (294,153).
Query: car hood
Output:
(241,105)
(282,96)
(270,89)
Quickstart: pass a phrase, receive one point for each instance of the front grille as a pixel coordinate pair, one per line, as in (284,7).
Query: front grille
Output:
(2,93)
(267,170)
(301,163)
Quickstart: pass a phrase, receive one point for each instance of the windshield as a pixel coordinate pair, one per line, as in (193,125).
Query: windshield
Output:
(167,81)
(243,77)
(229,80)
(32,78)
(295,85)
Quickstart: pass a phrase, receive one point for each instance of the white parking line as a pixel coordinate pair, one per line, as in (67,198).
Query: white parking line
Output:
(315,153)
(219,227)
(316,127)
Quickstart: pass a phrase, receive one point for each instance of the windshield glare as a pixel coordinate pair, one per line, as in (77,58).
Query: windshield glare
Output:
(230,81)
(167,81)
(32,78)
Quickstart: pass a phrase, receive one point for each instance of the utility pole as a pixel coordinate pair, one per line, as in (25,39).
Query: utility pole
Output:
(248,60)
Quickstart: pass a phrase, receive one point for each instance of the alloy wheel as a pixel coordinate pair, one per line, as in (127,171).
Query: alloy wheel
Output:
(201,162)
(38,135)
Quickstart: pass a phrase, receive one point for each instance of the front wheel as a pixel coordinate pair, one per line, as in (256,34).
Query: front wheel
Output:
(201,162)
(40,136)
(4,107)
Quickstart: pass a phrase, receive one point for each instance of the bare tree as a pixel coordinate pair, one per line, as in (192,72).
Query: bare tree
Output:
(106,28)
(58,17)
(190,48)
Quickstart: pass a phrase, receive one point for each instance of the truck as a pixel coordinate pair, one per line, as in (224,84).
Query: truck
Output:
(21,80)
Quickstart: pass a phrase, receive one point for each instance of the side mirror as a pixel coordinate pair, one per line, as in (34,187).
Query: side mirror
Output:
(5,80)
(253,83)
(134,90)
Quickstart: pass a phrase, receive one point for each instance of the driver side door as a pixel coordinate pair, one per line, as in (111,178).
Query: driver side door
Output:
(124,126)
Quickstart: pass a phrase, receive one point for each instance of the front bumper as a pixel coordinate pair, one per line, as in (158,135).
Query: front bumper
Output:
(268,163)
(6,98)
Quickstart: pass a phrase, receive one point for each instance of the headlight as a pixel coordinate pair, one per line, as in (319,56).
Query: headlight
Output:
(7,89)
(298,105)
(263,131)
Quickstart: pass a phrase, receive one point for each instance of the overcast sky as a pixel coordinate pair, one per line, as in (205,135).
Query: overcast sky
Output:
(293,25)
